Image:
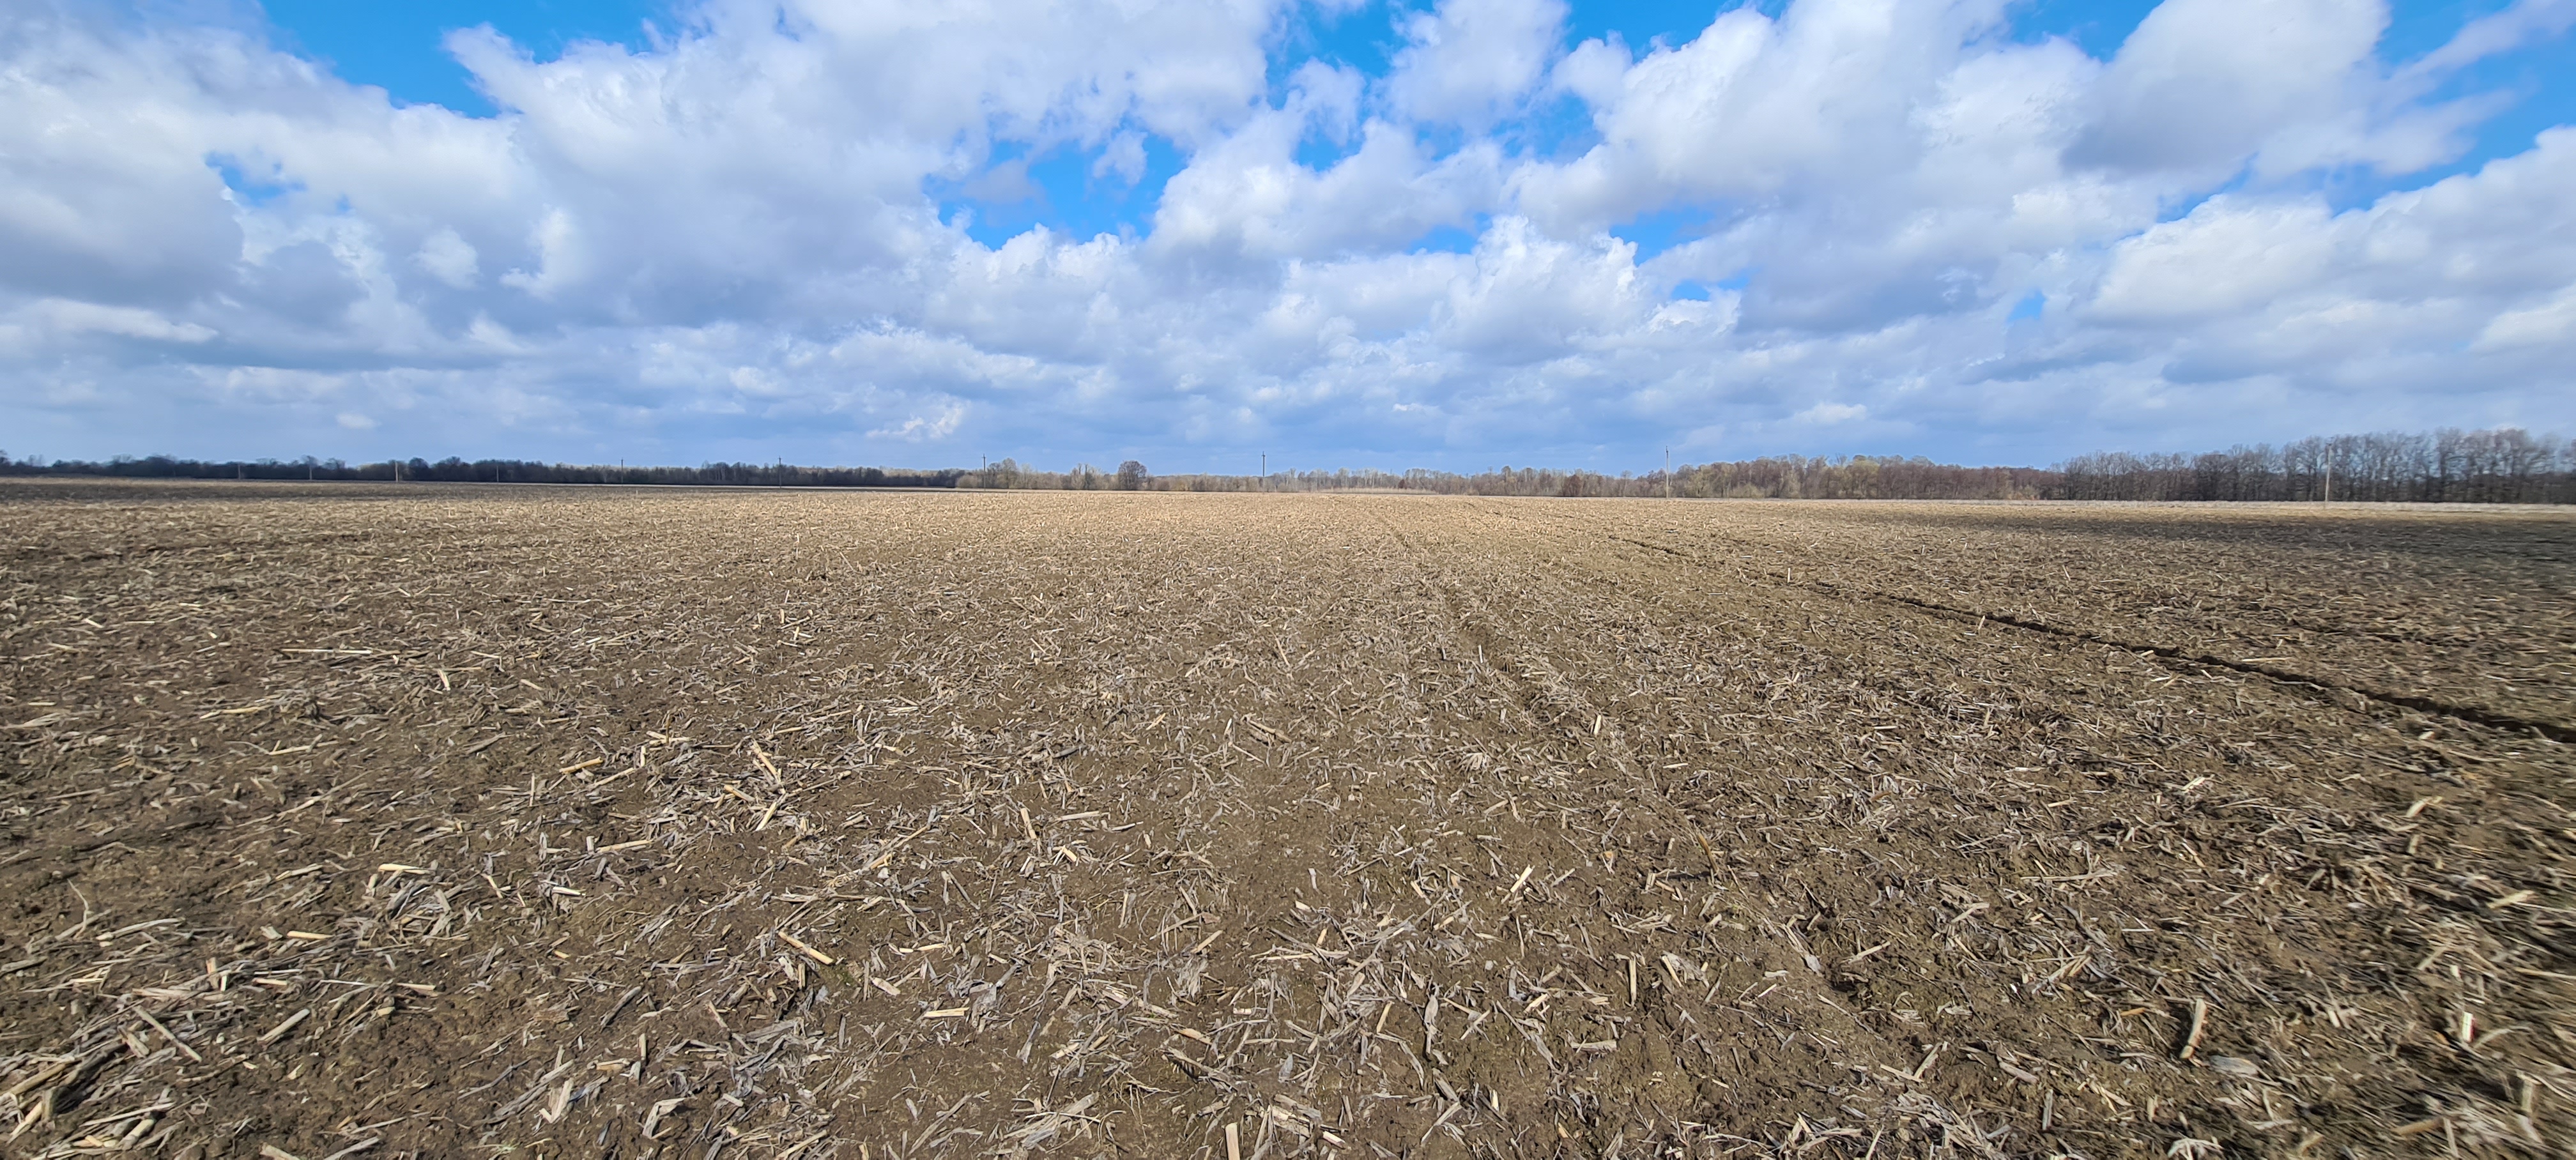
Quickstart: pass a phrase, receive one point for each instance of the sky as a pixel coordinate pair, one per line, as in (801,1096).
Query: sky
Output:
(1342,233)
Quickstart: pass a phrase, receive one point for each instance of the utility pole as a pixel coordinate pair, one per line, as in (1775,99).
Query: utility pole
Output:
(2329,477)
(1264,483)
(1668,473)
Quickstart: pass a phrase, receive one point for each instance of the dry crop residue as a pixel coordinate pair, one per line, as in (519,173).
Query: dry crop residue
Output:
(410,820)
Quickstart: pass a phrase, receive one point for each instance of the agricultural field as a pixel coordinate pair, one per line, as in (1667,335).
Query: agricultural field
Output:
(390,820)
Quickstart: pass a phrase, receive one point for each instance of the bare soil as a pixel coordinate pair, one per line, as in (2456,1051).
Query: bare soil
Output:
(471,821)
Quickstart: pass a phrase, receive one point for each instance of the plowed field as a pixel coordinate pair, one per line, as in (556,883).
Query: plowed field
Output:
(407,820)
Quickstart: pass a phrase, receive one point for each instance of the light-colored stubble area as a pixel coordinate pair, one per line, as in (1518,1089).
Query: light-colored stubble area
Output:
(482,821)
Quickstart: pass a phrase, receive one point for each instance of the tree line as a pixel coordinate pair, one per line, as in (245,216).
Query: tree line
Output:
(1793,477)
(2504,465)
(456,470)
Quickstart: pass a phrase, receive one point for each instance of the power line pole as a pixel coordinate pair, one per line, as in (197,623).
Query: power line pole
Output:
(1668,473)
(1264,482)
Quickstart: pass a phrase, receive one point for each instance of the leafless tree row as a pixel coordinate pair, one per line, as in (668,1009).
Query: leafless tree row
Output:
(1771,477)
(2505,465)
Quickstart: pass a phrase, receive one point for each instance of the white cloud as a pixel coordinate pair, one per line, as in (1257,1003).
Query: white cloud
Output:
(2552,323)
(757,226)
(1532,297)
(448,257)
(1755,107)
(935,426)
(560,263)
(1469,60)
(1249,196)
(1124,158)
(2203,83)
(67,318)
(2226,258)
(1827,414)
(2520,23)
(1594,71)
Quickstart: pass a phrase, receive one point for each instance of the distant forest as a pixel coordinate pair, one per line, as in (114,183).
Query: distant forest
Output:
(2505,465)
(454,470)
(1789,477)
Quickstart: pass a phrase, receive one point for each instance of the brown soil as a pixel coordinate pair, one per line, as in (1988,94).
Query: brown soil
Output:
(378,821)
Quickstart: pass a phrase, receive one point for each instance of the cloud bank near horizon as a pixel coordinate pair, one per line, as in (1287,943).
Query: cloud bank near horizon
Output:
(844,233)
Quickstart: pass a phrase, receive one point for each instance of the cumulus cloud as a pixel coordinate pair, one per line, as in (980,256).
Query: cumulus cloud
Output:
(1778,232)
(2204,83)
(66,319)
(937,425)
(1124,158)
(1468,61)
(449,258)
(2552,323)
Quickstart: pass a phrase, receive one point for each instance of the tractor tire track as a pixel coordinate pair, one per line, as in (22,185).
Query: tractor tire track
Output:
(2467,713)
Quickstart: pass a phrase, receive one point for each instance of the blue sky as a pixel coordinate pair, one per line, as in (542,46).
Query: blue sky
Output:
(401,47)
(1448,234)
